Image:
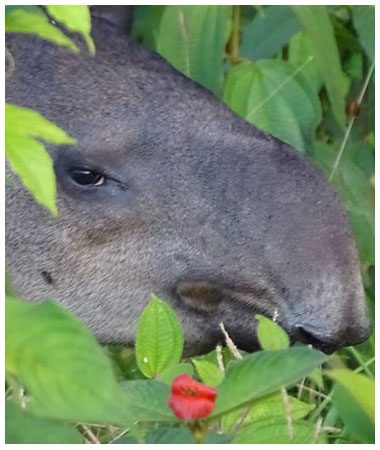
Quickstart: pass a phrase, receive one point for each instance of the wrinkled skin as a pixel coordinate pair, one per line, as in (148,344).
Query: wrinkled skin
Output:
(198,206)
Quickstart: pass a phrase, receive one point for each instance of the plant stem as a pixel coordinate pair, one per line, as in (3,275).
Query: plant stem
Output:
(351,122)
(199,431)
(288,412)
(91,436)
(359,359)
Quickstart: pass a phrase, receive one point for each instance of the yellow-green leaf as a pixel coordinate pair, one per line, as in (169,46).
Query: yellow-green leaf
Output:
(75,18)
(32,21)
(28,157)
(208,372)
(159,339)
(270,335)
(354,397)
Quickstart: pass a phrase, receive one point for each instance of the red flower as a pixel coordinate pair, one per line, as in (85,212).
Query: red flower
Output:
(190,399)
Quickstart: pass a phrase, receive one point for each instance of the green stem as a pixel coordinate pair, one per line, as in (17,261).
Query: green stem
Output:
(199,431)
(359,359)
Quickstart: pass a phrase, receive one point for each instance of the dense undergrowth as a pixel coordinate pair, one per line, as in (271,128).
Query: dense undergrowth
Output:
(305,74)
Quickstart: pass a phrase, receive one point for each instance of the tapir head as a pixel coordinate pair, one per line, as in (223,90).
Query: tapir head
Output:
(168,191)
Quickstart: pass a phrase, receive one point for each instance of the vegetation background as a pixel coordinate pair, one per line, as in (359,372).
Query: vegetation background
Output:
(304,74)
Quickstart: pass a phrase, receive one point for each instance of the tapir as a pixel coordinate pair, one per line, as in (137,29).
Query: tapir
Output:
(168,191)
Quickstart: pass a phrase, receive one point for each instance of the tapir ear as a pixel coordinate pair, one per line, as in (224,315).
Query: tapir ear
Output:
(120,16)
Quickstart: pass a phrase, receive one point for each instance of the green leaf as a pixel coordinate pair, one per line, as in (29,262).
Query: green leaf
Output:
(276,97)
(355,191)
(146,24)
(24,428)
(318,27)
(178,435)
(301,53)
(146,401)
(276,432)
(268,407)
(126,439)
(268,32)
(270,335)
(354,397)
(216,438)
(193,39)
(364,22)
(34,21)
(167,375)
(28,157)
(209,373)
(263,373)
(159,339)
(60,364)
(75,18)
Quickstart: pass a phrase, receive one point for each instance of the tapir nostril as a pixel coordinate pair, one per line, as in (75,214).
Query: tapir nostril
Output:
(328,342)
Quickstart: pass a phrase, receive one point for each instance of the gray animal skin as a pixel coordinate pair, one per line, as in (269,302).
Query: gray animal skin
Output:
(192,203)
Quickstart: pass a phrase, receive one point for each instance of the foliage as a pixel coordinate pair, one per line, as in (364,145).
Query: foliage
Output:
(25,128)
(303,74)
(27,156)
(159,341)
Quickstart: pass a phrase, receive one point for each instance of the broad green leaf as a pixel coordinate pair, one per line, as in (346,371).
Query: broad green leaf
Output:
(354,397)
(268,32)
(364,22)
(355,191)
(276,432)
(177,435)
(30,160)
(263,373)
(301,53)
(146,24)
(193,39)
(268,407)
(146,401)
(209,373)
(75,18)
(270,335)
(34,21)
(61,365)
(126,439)
(276,97)
(29,123)
(318,27)
(167,375)
(24,428)
(159,339)
(216,438)
(27,156)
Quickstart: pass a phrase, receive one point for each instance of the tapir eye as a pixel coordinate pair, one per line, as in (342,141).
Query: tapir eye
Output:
(86,177)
